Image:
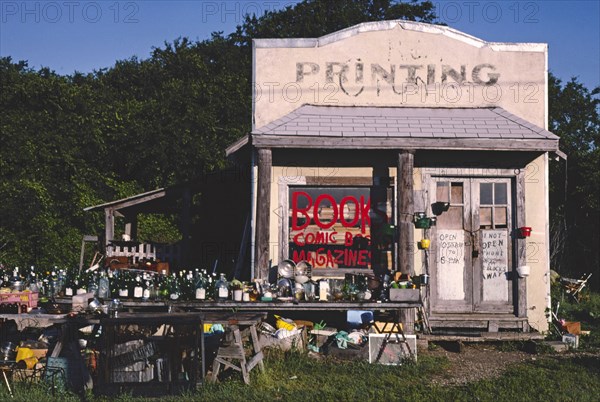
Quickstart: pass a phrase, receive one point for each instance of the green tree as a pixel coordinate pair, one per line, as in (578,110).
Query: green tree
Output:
(575,184)
(73,141)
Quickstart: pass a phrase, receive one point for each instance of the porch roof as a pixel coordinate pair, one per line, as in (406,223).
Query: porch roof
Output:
(159,200)
(356,127)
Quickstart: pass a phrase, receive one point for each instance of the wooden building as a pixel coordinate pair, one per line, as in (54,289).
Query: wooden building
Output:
(358,134)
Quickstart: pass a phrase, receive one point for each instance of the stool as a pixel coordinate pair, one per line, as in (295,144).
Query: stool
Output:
(234,356)
(395,329)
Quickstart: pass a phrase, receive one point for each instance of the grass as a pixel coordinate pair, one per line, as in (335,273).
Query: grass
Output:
(292,376)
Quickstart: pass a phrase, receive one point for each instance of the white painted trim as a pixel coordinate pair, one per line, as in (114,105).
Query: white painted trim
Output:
(546,112)
(547,237)
(406,25)
(253,82)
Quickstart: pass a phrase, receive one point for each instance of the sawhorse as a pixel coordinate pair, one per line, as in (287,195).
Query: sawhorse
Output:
(393,327)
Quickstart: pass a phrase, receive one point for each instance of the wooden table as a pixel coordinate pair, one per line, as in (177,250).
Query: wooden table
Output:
(33,320)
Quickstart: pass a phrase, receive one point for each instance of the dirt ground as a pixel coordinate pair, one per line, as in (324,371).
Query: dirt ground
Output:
(473,362)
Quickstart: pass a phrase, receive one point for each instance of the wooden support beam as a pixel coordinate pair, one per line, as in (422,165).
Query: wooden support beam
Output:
(406,244)
(521,247)
(263,212)
(406,241)
(458,144)
(131,226)
(109,226)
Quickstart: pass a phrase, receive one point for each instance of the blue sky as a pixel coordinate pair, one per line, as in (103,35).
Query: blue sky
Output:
(70,35)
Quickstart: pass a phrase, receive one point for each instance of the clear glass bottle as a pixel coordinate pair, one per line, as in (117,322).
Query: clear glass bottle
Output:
(200,292)
(222,289)
(123,283)
(138,288)
(103,287)
(174,288)
(92,286)
(147,292)
(80,287)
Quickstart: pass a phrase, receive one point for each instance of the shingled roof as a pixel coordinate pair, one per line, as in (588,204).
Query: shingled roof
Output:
(404,122)
(366,127)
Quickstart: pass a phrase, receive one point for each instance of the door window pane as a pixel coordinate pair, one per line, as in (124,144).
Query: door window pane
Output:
(456,193)
(500,217)
(451,219)
(485,217)
(485,194)
(500,193)
(442,192)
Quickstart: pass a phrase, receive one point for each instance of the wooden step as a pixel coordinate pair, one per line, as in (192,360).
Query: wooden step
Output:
(491,323)
(483,337)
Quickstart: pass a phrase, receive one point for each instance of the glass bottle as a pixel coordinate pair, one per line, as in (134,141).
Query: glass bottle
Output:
(80,287)
(222,289)
(147,292)
(123,284)
(33,282)
(103,287)
(62,278)
(200,292)
(164,283)
(113,281)
(174,288)
(138,288)
(92,286)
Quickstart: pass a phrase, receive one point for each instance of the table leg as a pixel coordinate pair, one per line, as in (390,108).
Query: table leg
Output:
(256,346)
(7,383)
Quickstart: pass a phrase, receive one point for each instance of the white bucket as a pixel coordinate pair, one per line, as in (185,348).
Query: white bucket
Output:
(523,271)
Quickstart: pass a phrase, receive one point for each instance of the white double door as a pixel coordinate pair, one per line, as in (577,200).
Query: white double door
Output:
(472,245)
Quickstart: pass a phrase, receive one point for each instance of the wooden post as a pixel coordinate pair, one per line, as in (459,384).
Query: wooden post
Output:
(263,210)
(380,260)
(521,247)
(406,242)
(131,226)
(109,226)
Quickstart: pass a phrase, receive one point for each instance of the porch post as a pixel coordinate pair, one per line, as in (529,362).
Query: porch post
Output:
(109,226)
(263,209)
(404,190)
(131,226)
(521,252)
(406,241)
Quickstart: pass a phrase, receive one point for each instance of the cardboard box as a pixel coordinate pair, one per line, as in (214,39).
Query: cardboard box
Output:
(30,299)
(573,327)
(407,295)
(393,353)
(571,340)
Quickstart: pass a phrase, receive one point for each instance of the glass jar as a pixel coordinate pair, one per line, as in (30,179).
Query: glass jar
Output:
(222,288)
